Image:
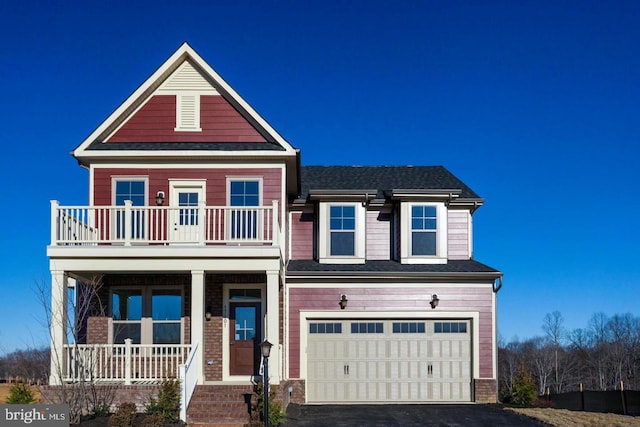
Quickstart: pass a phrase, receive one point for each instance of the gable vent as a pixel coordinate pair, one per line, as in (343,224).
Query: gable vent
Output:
(188,113)
(187,78)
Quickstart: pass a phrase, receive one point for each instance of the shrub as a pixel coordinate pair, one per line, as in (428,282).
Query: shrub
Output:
(153,420)
(277,416)
(124,416)
(20,393)
(167,403)
(524,388)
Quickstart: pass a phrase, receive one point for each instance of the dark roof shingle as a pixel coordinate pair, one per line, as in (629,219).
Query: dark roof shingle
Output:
(381,178)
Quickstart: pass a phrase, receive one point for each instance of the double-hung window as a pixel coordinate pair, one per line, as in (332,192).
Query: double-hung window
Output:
(423,233)
(423,230)
(342,232)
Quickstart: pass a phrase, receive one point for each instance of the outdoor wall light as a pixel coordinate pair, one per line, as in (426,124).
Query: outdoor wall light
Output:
(343,301)
(160,198)
(207,313)
(434,301)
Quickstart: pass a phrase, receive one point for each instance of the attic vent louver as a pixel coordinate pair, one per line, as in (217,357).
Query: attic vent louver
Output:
(188,113)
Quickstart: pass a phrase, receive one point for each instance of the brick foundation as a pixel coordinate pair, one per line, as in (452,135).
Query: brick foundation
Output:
(295,396)
(485,391)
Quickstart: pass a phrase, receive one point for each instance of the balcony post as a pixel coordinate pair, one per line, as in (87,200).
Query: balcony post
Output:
(128,222)
(54,222)
(275,230)
(127,361)
(201,223)
(58,327)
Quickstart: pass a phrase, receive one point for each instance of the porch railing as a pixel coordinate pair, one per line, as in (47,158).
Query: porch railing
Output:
(188,380)
(134,225)
(125,363)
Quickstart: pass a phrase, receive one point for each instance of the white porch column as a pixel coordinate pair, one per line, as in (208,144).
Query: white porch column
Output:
(197,319)
(273,324)
(58,326)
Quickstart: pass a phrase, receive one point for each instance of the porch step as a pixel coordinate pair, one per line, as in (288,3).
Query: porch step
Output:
(220,406)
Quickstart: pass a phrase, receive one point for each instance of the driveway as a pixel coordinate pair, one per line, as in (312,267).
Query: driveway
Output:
(404,416)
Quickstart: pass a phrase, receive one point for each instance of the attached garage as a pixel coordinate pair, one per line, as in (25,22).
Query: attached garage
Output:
(388,360)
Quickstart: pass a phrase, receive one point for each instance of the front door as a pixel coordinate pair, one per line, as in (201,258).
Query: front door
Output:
(244,338)
(184,218)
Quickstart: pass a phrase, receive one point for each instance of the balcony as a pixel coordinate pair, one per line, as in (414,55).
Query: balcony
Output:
(130,225)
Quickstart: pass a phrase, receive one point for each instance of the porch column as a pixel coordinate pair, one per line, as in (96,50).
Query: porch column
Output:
(58,326)
(273,324)
(197,319)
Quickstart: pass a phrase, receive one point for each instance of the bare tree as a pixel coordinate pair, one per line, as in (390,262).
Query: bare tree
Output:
(553,327)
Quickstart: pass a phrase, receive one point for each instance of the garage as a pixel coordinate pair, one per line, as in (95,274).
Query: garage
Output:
(388,360)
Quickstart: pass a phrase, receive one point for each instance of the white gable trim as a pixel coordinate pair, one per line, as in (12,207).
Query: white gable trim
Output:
(146,90)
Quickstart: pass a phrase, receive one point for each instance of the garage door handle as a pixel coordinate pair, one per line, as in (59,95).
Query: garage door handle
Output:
(346,369)
(430,369)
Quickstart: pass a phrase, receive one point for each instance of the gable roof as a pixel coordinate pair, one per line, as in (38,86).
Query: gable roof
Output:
(184,67)
(384,180)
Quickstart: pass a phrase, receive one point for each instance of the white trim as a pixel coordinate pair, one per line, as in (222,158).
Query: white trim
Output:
(383,285)
(127,178)
(204,165)
(441,234)
(307,315)
(148,87)
(324,234)
(226,376)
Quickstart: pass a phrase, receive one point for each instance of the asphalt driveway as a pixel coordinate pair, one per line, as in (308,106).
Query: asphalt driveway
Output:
(404,416)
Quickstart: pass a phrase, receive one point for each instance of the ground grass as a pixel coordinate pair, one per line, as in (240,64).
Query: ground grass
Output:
(4,392)
(566,418)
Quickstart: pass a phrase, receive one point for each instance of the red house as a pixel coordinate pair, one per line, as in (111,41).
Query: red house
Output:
(204,236)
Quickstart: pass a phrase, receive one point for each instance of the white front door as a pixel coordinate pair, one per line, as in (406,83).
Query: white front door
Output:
(185,221)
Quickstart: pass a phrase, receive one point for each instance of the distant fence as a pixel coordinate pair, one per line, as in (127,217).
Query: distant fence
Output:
(625,402)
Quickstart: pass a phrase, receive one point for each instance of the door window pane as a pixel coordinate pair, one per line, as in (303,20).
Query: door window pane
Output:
(245,323)
(188,216)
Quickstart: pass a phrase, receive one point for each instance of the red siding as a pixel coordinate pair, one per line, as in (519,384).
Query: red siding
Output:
(394,298)
(216,182)
(156,121)
(302,235)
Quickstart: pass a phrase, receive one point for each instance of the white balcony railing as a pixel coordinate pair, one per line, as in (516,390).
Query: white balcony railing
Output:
(133,225)
(123,363)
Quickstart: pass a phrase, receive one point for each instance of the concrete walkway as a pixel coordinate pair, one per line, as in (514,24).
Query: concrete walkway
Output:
(404,416)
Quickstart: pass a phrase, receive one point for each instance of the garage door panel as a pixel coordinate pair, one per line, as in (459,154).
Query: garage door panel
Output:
(389,361)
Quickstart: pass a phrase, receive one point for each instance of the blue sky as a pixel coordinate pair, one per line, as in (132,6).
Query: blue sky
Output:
(534,104)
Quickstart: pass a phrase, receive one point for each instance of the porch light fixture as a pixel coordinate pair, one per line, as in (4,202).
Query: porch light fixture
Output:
(434,301)
(343,301)
(160,198)
(265,349)
(207,314)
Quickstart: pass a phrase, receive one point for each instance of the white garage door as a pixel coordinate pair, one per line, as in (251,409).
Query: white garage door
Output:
(388,361)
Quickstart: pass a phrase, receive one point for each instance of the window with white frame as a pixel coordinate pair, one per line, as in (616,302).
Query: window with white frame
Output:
(244,195)
(134,189)
(147,316)
(342,232)
(423,233)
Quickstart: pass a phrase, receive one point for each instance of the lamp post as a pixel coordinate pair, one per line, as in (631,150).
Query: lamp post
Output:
(265,348)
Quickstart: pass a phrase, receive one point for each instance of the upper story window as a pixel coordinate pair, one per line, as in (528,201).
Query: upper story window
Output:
(134,189)
(423,233)
(342,233)
(423,230)
(246,222)
(342,229)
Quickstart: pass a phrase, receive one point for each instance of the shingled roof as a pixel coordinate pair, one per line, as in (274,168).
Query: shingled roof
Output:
(382,178)
(470,266)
